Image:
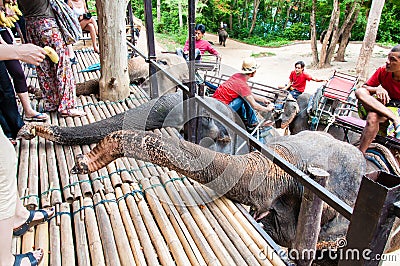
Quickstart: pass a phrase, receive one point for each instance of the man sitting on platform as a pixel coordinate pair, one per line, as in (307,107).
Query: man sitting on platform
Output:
(377,95)
(236,93)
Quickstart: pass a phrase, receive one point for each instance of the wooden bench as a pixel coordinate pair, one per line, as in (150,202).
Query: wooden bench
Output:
(355,124)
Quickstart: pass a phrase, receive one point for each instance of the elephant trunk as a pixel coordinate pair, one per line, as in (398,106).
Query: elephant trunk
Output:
(240,177)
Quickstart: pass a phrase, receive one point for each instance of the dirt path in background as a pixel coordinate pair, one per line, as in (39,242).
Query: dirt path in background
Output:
(275,69)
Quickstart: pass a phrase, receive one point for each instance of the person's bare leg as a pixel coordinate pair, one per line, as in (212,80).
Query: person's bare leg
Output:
(26,104)
(71,51)
(90,27)
(371,103)
(370,130)
(22,214)
(6,256)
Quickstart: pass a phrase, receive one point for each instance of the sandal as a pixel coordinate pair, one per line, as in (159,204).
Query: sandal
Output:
(29,255)
(72,113)
(29,223)
(40,117)
(13,141)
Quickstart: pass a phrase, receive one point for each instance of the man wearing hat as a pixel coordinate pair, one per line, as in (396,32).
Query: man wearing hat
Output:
(236,93)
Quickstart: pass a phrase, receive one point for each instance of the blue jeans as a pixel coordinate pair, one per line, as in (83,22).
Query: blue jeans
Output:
(10,119)
(197,54)
(295,93)
(244,110)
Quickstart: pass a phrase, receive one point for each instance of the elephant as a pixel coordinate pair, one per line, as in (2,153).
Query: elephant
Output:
(165,111)
(138,70)
(222,36)
(251,179)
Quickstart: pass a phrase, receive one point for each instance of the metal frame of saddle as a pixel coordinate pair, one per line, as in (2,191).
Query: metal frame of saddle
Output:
(337,99)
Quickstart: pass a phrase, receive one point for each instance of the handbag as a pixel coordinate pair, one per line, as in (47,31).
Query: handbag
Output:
(66,20)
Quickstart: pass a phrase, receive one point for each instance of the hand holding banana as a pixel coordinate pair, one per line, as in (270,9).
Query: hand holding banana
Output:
(51,54)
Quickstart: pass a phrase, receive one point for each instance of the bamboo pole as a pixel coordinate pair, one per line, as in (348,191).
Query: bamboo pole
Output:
(44,175)
(85,186)
(120,235)
(23,167)
(130,229)
(135,203)
(67,246)
(81,244)
(33,175)
(189,221)
(93,234)
(239,236)
(268,251)
(53,173)
(227,233)
(106,234)
(181,230)
(208,231)
(123,164)
(55,244)
(167,229)
(42,241)
(135,169)
(28,241)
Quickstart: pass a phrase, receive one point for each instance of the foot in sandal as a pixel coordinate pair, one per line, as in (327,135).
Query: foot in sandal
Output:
(35,217)
(72,113)
(30,258)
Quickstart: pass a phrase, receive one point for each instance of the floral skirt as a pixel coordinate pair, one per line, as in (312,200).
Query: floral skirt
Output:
(55,80)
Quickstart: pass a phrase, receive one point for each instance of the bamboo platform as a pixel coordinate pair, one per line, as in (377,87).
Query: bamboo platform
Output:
(130,212)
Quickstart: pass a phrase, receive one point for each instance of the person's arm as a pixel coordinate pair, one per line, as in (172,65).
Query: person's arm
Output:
(381,94)
(84,6)
(211,50)
(258,107)
(186,47)
(28,53)
(318,80)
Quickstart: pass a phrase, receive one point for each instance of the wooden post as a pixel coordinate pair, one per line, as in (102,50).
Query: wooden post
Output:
(309,222)
(372,219)
(114,81)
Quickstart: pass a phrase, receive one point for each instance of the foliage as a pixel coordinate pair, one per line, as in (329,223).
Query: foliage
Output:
(278,21)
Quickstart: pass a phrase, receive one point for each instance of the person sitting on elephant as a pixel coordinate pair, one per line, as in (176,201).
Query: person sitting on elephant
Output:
(378,96)
(298,79)
(236,93)
(201,45)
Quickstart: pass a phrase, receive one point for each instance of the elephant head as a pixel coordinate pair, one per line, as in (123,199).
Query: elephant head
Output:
(251,179)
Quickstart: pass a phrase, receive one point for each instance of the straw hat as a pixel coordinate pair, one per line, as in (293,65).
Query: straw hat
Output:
(249,65)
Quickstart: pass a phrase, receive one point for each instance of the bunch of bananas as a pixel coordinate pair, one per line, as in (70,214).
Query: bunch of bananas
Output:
(9,15)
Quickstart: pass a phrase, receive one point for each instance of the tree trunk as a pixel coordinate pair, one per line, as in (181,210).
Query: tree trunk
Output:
(369,39)
(158,11)
(256,4)
(331,29)
(114,81)
(180,14)
(346,34)
(314,47)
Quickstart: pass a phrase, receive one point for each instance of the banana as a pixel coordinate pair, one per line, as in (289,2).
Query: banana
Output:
(16,9)
(2,16)
(51,54)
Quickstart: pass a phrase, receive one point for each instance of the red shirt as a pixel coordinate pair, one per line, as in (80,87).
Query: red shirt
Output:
(236,86)
(299,81)
(385,79)
(202,45)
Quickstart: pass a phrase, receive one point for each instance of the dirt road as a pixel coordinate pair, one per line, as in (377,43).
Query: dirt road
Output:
(274,70)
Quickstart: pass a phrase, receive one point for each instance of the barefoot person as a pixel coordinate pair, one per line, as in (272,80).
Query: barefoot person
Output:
(15,219)
(381,91)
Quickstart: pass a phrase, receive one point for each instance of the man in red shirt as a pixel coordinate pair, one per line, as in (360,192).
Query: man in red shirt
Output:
(298,79)
(201,45)
(236,93)
(380,91)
